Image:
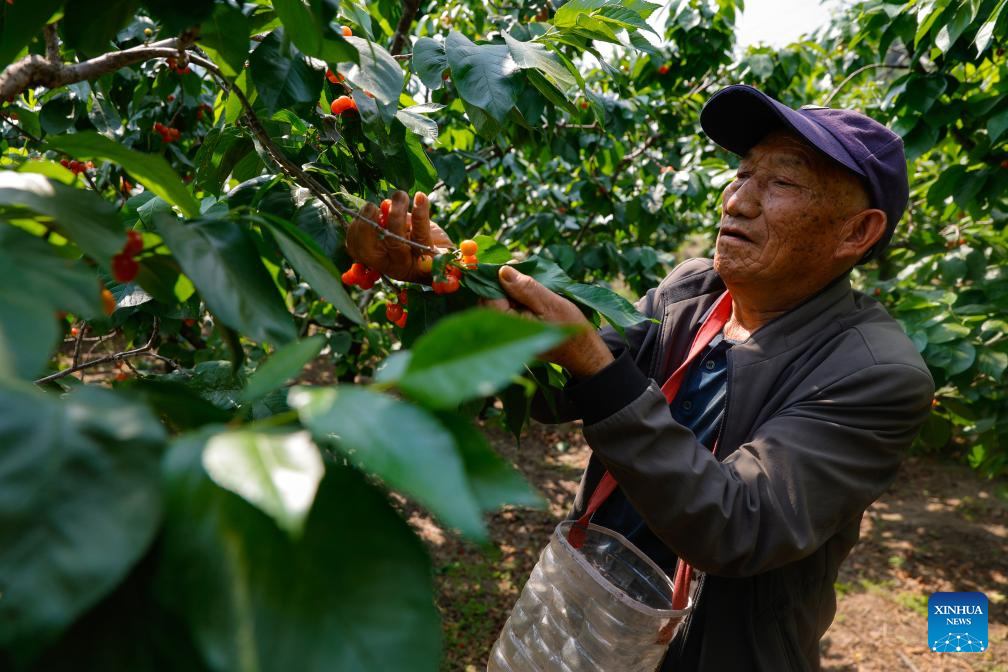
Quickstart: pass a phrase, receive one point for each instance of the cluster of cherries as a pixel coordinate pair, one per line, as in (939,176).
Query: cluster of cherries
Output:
(203,109)
(396,312)
(168,134)
(124,266)
(447,282)
(76,167)
(183,70)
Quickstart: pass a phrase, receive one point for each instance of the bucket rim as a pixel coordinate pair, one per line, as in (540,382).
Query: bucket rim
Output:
(560,533)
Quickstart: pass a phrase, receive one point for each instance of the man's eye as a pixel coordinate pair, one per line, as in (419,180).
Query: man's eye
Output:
(784,183)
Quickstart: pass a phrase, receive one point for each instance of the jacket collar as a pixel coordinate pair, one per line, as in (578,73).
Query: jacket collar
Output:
(801,323)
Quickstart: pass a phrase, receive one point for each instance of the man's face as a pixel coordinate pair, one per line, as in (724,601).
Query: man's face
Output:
(781,217)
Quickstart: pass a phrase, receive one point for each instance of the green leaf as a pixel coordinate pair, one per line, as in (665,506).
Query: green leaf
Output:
(28,332)
(413,119)
(57,281)
(150,170)
(424,174)
(354,592)
(429,62)
(226,33)
(986,31)
(376,71)
(219,153)
(399,443)
(282,77)
(484,75)
(531,55)
(954,357)
(178,15)
(473,354)
(494,482)
(483,280)
(997,124)
(947,331)
(992,362)
(22,22)
(490,251)
(614,308)
(312,265)
(82,216)
(79,503)
(89,26)
(277,472)
(307,24)
(283,365)
(223,263)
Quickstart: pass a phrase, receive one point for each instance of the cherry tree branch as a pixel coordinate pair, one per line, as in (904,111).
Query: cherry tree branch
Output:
(410,9)
(34,70)
(52,43)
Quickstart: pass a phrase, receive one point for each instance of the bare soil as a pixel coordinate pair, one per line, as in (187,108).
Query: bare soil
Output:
(939,528)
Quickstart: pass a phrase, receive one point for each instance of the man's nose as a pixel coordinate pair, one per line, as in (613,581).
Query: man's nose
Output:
(744,201)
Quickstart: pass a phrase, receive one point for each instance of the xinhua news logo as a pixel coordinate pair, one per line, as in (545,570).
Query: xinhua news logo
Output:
(957,622)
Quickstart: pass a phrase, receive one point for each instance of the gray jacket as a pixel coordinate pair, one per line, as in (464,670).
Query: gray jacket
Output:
(823,402)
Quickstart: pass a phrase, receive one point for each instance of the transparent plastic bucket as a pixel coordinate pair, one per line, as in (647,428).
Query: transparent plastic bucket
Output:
(603,607)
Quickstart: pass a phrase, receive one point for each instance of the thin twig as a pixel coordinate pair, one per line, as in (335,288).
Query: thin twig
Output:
(857,72)
(906,661)
(17,127)
(119,356)
(77,344)
(629,158)
(52,43)
(410,8)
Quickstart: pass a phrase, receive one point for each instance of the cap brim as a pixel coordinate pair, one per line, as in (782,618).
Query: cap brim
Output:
(739,116)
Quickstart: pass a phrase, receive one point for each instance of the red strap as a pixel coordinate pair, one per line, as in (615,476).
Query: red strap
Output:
(714,323)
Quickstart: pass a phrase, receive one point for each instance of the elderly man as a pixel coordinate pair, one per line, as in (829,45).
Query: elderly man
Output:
(791,419)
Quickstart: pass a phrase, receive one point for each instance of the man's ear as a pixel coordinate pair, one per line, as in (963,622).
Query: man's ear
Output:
(860,232)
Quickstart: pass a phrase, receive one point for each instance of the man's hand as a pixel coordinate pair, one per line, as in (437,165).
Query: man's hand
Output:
(392,257)
(583,354)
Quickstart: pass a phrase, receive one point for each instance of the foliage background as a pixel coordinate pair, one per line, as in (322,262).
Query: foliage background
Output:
(200,514)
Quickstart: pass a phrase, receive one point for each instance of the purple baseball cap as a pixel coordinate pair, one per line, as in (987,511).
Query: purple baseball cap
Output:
(739,116)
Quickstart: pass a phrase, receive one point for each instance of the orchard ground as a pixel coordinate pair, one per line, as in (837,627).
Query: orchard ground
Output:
(940,527)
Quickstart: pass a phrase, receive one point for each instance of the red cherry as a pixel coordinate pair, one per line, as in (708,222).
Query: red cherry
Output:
(371,276)
(401,322)
(663,69)
(124,267)
(134,243)
(403,298)
(393,311)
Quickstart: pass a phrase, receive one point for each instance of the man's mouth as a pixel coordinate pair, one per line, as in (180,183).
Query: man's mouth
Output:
(732,232)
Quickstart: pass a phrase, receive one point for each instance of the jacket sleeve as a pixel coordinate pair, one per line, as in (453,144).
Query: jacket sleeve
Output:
(805,472)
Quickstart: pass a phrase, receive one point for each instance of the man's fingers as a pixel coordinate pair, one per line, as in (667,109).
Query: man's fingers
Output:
(502,305)
(362,238)
(524,289)
(421,219)
(397,216)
